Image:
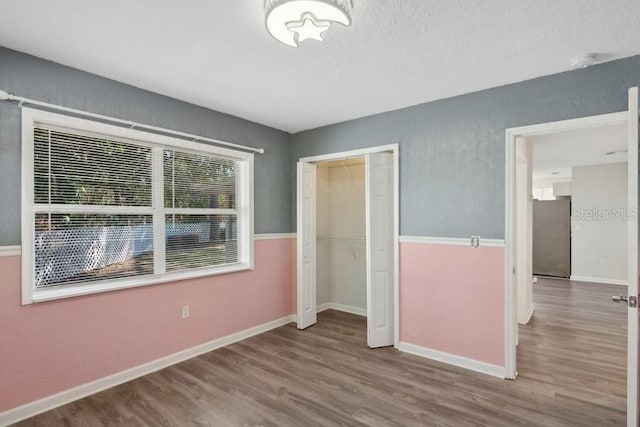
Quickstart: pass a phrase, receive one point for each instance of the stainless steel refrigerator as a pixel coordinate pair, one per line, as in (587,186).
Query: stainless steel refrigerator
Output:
(552,238)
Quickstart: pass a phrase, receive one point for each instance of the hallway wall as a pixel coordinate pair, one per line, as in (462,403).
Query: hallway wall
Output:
(599,227)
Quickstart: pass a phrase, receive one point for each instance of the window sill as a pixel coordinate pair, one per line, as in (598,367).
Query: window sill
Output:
(42,295)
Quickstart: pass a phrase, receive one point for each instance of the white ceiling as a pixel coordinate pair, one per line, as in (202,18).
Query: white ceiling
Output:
(397,53)
(560,151)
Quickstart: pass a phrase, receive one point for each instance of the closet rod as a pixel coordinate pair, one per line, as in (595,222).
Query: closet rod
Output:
(6,96)
(343,239)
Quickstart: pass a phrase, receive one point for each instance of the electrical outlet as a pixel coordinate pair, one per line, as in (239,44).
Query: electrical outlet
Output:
(186,311)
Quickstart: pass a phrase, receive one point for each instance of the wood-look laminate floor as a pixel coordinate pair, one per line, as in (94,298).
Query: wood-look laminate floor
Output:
(571,364)
(575,347)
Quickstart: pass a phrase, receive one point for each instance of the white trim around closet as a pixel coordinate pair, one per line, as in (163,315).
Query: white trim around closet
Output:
(395,149)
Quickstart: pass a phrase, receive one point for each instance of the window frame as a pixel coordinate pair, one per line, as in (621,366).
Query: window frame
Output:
(32,118)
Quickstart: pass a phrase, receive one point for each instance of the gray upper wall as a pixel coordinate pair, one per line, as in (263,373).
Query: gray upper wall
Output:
(39,79)
(452,151)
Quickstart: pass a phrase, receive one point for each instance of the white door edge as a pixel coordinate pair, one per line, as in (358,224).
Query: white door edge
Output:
(632,317)
(306,247)
(380,261)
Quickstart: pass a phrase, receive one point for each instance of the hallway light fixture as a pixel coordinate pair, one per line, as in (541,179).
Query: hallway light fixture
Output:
(583,61)
(613,153)
(293,21)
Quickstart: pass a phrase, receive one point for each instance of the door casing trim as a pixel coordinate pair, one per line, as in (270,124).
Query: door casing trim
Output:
(510,167)
(343,155)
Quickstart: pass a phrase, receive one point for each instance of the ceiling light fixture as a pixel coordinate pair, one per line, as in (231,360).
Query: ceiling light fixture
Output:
(294,21)
(613,153)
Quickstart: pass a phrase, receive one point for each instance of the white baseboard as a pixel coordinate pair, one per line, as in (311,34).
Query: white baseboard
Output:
(341,307)
(452,359)
(34,408)
(528,315)
(599,280)
(323,307)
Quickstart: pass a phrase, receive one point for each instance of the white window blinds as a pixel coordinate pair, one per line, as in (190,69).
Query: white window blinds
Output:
(201,215)
(99,202)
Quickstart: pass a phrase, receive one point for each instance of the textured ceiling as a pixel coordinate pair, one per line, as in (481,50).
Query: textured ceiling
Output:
(560,151)
(217,53)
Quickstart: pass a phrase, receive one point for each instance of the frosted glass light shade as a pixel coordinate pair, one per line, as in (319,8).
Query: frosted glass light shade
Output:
(293,21)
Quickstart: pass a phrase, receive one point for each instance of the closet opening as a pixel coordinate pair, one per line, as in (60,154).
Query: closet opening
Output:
(341,272)
(348,239)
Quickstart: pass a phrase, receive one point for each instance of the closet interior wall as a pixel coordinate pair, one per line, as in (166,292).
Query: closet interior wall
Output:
(341,250)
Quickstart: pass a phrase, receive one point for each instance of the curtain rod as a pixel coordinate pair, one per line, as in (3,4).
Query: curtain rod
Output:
(6,96)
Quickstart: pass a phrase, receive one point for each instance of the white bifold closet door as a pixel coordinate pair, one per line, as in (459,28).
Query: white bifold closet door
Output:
(380,274)
(633,359)
(307,314)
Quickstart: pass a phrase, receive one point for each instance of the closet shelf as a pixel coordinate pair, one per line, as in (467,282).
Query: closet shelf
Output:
(343,239)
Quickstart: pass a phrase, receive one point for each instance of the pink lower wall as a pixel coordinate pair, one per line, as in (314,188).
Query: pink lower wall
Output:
(50,347)
(452,299)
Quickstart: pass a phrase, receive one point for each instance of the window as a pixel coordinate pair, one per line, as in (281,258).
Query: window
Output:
(106,207)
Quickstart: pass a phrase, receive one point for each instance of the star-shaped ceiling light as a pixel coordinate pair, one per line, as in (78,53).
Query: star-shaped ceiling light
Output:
(309,28)
(294,21)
